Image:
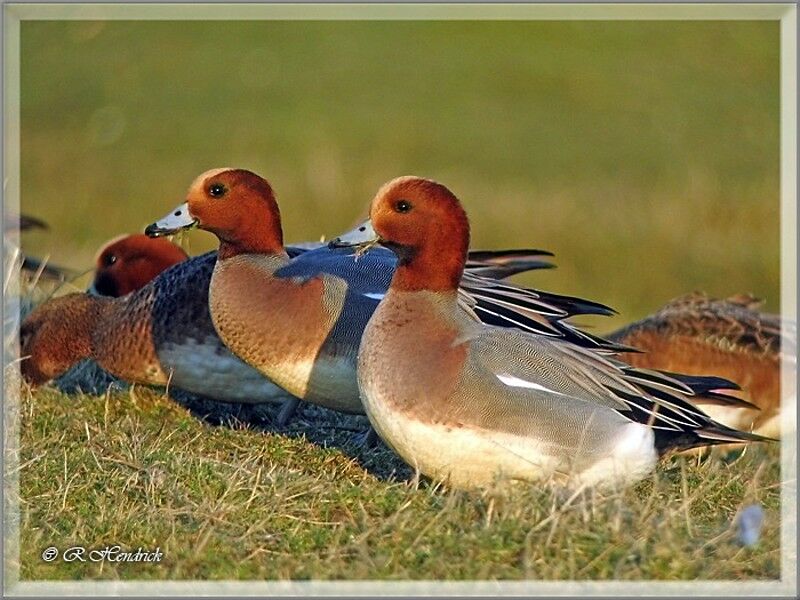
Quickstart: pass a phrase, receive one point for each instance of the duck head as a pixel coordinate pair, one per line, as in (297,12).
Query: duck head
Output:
(236,205)
(130,262)
(423,223)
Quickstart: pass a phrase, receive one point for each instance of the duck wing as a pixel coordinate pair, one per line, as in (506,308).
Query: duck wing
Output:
(540,364)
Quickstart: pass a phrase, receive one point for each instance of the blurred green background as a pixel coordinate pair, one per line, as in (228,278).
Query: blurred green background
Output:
(644,154)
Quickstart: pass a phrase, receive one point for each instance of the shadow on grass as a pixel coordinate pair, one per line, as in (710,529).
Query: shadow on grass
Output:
(320,426)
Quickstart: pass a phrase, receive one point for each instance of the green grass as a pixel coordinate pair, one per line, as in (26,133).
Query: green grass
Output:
(248,502)
(645,154)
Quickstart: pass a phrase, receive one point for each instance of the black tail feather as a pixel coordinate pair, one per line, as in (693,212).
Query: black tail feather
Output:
(712,435)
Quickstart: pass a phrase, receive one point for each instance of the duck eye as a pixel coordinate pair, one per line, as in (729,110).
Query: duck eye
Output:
(217,190)
(110,259)
(402,206)
(25,336)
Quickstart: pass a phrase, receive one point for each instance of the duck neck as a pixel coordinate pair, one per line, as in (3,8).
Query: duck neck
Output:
(256,235)
(434,268)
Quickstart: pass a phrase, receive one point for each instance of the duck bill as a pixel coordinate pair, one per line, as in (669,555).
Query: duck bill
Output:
(362,236)
(175,221)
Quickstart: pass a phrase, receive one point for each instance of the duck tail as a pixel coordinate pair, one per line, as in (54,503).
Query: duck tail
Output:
(702,439)
(717,432)
(711,434)
(709,390)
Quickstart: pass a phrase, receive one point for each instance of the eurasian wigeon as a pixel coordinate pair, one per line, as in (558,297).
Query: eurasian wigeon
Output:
(466,402)
(299,320)
(726,337)
(129,262)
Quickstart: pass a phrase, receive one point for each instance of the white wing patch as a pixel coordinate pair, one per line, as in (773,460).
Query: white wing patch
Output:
(512,381)
(374,296)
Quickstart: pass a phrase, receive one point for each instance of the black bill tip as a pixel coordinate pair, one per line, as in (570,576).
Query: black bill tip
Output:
(154,230)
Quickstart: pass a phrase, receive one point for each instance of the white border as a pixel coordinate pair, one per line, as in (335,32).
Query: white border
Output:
(786,13)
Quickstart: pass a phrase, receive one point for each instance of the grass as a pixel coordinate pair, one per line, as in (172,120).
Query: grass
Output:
(249,502)
(645,154)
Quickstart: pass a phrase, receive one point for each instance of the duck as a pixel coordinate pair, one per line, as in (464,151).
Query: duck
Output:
(475,405)
(123,264)
(730,337)
(130,261)
(298,320)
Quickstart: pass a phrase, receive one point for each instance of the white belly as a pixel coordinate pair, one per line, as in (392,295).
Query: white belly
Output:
(205,370)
